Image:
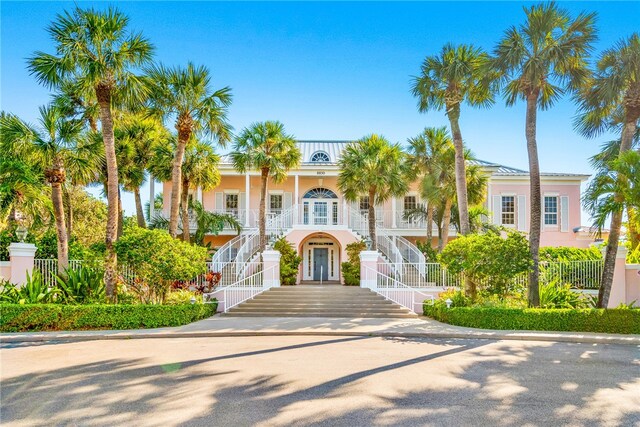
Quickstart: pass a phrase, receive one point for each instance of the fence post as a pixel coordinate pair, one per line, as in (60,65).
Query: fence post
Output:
(368,262)
(271,268)
(21,256)
(618,287)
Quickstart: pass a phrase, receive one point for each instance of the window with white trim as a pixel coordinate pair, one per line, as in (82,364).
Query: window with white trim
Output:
(508,210)
(410,203)
(231,203)
(550,210)
(275,203)
(320,157)
(364,204)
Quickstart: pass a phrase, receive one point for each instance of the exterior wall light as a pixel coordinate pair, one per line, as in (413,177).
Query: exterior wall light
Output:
(21,233)
(448,302)
(193,300)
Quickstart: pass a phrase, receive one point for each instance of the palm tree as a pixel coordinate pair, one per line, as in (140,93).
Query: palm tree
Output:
(538,62)
(95,50)
(53,145)
(373,167)
(611,101)
(267,148)
(137,135)
(459,74)
(186,93)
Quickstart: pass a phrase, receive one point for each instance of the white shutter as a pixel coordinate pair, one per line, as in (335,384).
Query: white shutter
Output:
(522,212)
(242,201)
(564,213)
(497,210)
(219,201)
(287,200)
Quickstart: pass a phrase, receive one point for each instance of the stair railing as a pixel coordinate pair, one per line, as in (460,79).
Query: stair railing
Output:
(394,290)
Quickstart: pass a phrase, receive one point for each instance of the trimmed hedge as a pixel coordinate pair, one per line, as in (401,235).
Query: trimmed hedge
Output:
(59,317)
(614,321)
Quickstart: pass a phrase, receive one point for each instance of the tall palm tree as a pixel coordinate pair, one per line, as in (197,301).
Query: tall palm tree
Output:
(457,75)
(186,94)
(96,51)
(52,144)
(611,101)
(373,167)
(137,135)
(267,148)
(538,62)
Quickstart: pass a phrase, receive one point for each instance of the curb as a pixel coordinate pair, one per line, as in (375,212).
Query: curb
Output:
(510,336)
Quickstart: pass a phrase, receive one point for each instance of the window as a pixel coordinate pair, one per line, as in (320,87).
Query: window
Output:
(508,210)
(410,203)
(275,203)
(231,203)
(335,213)
(550,210)
(320,157)
(364,203)
(320,193)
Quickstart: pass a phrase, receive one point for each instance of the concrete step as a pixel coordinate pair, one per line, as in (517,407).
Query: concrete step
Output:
(349,315)
(279,303)
(311,308)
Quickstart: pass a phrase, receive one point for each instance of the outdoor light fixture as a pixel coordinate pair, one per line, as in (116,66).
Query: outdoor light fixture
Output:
(21,233)
(193,300)
(448,301)
(367,242)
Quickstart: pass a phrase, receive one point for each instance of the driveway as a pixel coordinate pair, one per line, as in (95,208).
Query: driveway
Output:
(319,381)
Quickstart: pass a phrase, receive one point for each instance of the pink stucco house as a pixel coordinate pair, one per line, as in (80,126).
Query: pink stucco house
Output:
(321,222)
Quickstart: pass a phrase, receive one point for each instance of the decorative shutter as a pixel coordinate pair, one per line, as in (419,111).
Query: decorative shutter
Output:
(399,211)
(522,212)
(287,200)
(497,210)
(564,213)
(219,201)
(242,201)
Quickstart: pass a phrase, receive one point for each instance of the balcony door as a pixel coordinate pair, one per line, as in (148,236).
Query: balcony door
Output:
(320,207)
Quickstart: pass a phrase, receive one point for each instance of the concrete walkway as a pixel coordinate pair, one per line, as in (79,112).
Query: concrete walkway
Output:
(227,326)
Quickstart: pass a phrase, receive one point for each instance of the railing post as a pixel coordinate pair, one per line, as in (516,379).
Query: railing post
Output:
(271,269)
(368,265)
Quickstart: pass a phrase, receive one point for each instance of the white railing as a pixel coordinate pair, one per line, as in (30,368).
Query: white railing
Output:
(394,290)
(48,268)
(421,276)
(247,288)
(411,254)
(585,274)
(227,253)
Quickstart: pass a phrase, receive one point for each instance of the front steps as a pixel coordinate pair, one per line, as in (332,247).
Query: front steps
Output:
(320,301)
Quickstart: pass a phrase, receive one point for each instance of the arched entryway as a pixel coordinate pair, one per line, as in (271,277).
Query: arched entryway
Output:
(320,258)
(320,207)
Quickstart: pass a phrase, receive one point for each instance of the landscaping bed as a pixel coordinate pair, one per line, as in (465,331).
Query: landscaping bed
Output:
(614,321)
(59,317)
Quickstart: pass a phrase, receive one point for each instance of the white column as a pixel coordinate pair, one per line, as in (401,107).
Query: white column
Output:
(199,194)
(296,201)
(393,213)
(152,196)
(247,189)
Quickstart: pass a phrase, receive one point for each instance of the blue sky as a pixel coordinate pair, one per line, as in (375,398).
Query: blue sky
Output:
(328,70)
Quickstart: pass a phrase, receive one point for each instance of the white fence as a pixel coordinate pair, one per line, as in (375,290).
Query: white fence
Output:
(247,288)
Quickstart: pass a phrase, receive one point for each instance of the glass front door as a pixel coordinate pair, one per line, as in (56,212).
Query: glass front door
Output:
(320,213)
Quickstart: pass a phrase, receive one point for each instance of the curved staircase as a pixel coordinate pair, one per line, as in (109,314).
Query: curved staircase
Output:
(320,301)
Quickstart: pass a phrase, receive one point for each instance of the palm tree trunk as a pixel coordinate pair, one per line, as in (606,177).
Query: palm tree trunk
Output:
(429,225)
(111,259)
(120,215)
(139,213)
(184,205)
(616,223)
(460,169)
(536,202)
(69,212)
(184,133)
(446,221)
(262,220)
(61,228)
(372,219)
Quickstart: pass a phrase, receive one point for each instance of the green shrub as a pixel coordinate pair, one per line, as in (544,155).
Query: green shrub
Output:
(430,254)
(33,291)
(554,295)
(617,321)
(81,286)
(490,261)
(289,262)
(58,317)
(158,260)
(182,296)
(351,268)
(566,253)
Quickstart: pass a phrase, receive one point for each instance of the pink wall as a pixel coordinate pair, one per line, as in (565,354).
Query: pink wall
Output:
(632,283)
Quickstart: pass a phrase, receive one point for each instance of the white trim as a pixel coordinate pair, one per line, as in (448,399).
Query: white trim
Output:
(231,191)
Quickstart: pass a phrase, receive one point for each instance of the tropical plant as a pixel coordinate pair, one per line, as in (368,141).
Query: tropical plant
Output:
(186,94)
(538,62)
(611,102)
(289,262)
(457,75)
(183,296)
(33,291)
(267,148)
(351,267)
(554,295)
(95,50)
(54,145)
(81,286)
(372,167)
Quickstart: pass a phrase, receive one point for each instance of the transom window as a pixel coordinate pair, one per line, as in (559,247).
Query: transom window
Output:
(410,203)
(275,202)
(320,193)
(508,210)
(550,210)
(320,157)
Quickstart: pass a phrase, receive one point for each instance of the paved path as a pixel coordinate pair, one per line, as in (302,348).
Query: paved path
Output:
(319,381)
(279,326)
